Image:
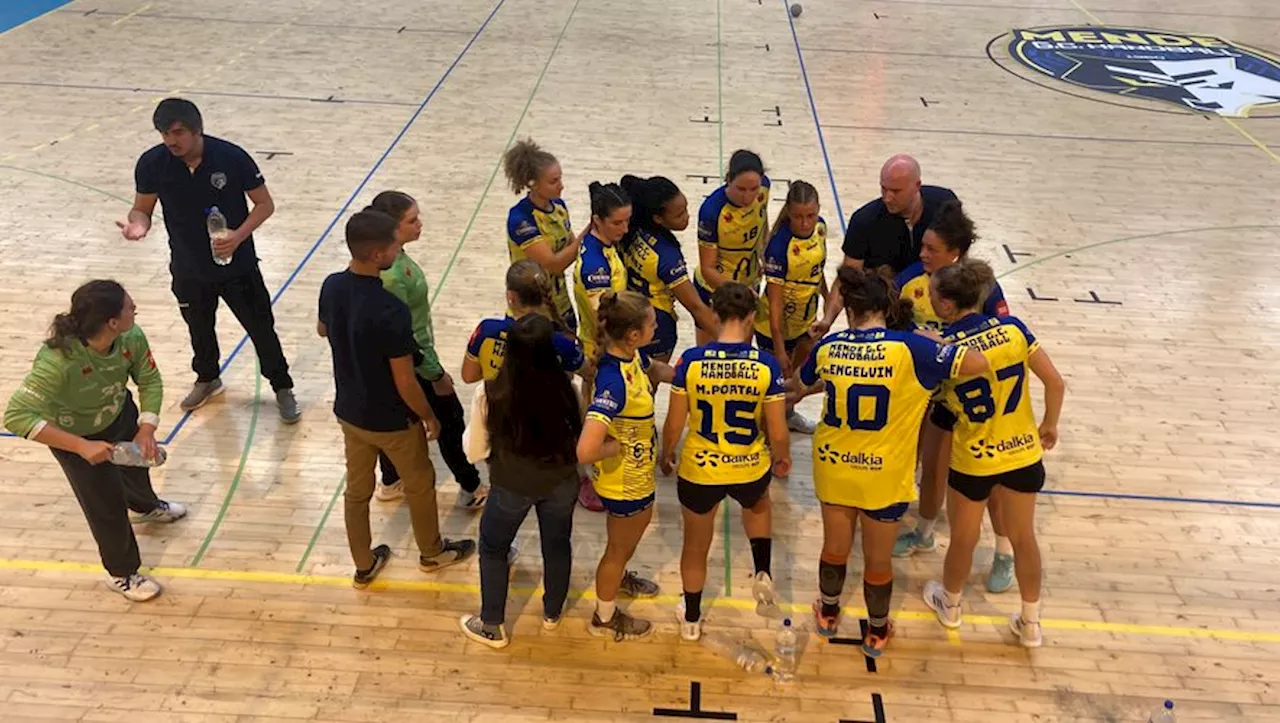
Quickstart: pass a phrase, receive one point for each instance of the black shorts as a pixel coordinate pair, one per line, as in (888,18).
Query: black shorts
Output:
(701,499)
(941,417)
(1027,479)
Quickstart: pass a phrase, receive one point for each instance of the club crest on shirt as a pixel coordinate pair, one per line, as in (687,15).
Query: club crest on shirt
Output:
(218,180)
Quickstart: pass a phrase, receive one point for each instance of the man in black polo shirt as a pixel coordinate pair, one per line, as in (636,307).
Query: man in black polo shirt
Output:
(191,173)
(888,230)
(378,402)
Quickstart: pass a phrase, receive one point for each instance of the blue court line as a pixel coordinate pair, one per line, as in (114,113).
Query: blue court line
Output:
(338,216)
(16,12)
(1156,498)
(813,106)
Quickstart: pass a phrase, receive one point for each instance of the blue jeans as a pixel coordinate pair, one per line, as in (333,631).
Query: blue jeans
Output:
(503,514)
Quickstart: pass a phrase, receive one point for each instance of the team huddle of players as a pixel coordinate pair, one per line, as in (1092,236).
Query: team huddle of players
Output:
(931,355)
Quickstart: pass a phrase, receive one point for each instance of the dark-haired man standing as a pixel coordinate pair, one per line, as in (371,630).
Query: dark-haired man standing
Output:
(190,174)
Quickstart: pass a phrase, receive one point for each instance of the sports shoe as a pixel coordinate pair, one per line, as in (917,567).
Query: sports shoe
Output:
(472,500)
(164,512)
(587,496)
(287,403)
(363,578)
(201,393)
(909,543)
(1001,576)
(1029,633)
(622,625)
(935,596)
(800,424)
(389,493)
(688,631)
(513,552)
(494,636)
(873,643)
(765,595)
(636,587)
(824,625)
(451,553)
(138,588)
(551,623)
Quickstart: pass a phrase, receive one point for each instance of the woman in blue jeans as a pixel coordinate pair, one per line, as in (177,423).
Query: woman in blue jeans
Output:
(533,422)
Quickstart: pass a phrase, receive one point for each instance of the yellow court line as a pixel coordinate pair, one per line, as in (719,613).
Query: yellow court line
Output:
(1096,20)
(144,8)
(285,578)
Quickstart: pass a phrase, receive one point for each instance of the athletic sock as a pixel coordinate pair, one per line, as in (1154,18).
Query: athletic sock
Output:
(762,554)
(878,597)
(1003,546)
(604,610)
(924,528)
(692,606)
(1031,611)
(953,598)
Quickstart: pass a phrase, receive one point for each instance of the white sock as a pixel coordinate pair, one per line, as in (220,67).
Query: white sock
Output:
(604,610)
(924,528)
(1003,546)
(953,598)
(1031,611)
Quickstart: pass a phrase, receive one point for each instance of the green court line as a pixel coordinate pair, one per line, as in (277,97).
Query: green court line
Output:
(244,458)
(342,484)
(73,182)
(475,213)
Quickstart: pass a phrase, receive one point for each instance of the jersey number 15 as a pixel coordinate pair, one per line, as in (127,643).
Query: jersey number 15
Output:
(739,418)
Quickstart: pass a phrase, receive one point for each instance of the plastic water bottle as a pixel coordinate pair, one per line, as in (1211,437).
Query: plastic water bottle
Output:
(128,454)
(217,230)
(784,650)
(1164,714)
(744,656)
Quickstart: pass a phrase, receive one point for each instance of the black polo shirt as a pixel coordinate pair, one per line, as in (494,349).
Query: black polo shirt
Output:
(879,238)
(367,327)
(225,174)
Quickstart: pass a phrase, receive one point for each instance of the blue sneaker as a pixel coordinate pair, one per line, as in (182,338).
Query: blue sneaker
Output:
(909,543)
(1001,577)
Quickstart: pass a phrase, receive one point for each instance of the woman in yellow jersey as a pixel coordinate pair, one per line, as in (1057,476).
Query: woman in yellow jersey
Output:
(947,241)
(877,379)
(733,225)
(733,397)
(529,291)
(795,278)
(620,439)
(997,447)
(538,225)
(655,264)
(600,267)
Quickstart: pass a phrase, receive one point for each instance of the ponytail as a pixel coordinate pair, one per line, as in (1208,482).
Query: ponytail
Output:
(92,306)
(873,291)
(649,198)
(532,287)
(619,314)
(798,193)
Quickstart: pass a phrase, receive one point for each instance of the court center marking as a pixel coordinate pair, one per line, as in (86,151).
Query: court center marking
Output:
(281,578)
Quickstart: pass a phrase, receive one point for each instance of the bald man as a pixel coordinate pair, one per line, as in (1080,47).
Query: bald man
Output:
(887,231)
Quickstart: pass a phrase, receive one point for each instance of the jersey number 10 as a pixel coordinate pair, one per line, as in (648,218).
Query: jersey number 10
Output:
(878,394)
(739,418)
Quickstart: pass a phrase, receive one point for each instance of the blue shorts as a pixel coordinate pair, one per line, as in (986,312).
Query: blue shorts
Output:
(703,292)
(664,339)
(766,343)
(628,508)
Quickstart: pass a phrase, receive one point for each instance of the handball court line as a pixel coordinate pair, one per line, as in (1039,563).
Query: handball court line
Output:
(279,578)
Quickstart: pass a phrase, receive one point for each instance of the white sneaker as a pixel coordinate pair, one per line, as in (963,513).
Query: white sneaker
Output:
(935,596)
(138,588)
(551,623)
(512,554)
(800,424)
(164,512)
(472,500)
(387,493)
(688,631)
(765,595)
(1029,633)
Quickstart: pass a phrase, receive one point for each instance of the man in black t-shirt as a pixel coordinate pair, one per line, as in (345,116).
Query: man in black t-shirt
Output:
(378,401)
(888,230)
(190,174)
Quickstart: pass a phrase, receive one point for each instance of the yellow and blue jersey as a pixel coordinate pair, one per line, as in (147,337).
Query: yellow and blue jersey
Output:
(526,225)
(599,270)
(995,430)
(878,383)
(796,264)
(623,400)
(727,386)
(737,233)
(655,265)
(913,284)
(488,347)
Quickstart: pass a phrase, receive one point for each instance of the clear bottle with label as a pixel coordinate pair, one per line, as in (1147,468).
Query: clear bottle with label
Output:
(784,651)
(128,454)
(217,224)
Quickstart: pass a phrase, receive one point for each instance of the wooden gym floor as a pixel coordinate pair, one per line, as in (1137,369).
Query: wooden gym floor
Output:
(1162,530)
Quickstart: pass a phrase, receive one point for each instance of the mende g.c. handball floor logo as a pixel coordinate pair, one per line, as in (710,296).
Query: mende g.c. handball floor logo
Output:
(1199,73)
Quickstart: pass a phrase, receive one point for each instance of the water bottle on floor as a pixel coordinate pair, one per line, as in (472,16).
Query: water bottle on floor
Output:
(128,454)
(784,651)
(1164,714)
(217,229)
(744,656)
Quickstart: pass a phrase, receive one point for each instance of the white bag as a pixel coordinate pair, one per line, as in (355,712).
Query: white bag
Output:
(475,438)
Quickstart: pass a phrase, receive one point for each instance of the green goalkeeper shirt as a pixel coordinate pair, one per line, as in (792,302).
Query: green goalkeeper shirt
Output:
(81,391)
